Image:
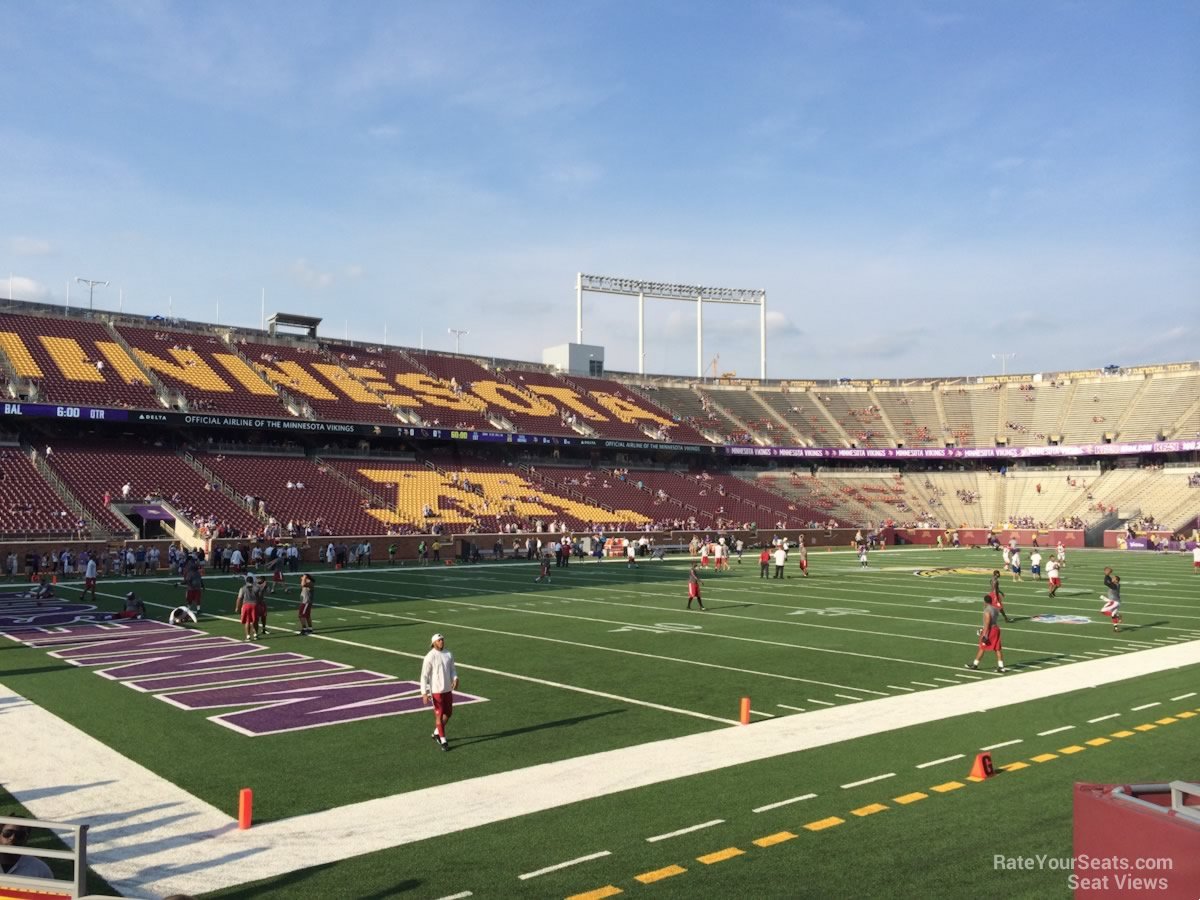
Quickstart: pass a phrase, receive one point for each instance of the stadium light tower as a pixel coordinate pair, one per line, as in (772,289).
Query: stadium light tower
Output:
(458,336)
(1004,358)
(92,285)
(657,290)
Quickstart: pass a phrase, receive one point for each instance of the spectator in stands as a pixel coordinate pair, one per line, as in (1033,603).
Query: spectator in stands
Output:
(15,835)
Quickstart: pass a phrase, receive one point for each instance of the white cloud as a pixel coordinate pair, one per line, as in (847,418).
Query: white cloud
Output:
(27,246)
(310,277)
(22,288)
(354,272)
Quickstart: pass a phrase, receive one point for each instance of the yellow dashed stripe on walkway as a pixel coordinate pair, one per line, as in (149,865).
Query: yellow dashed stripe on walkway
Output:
(869,810)
(660,874)
(1186,714)
(609,890)
(1015,767)
(822,824)
(1122,734)
(1074,748)
(1044,757)
(1166,721)
(720,856)
(947,787)
(772,839)
(1146,727)
(910,798)
(1098,742)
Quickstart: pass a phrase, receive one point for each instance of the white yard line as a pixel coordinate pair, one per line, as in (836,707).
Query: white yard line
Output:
(780,803)
(925,684)
(1002,744)
(938,762)
(1183,696)
(1055,730)
(564,865)
(461,896)
(821,702)
(1146,706)
(1102,718)
(898,688)
(847,697)
(688,830)
(855,784)
(164,841)
(793,708)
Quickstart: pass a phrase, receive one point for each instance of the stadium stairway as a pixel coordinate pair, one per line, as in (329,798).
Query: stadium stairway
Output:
(72,502)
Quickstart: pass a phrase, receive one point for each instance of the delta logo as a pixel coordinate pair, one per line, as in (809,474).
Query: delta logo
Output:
(952,570)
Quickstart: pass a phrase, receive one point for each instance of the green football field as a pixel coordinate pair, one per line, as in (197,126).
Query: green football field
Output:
(606,657)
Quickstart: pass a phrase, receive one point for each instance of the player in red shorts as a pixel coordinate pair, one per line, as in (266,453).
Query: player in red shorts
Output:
(439,680)
(694,588)
(989,637)
(995,597)
(194,582)
(306,604)
(245,606)
(803,554)
(1055,579)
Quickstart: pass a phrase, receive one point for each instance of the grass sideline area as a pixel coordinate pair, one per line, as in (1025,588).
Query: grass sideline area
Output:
(605,657)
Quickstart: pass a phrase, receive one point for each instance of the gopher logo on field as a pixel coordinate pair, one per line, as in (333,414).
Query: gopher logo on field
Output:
(952,570)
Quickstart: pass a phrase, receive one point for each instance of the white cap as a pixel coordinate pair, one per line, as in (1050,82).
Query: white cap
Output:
(437,637)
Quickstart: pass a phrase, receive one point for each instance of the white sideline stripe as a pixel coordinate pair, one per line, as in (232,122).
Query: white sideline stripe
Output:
(847,697)
(1102,718)
(898,688)
(145,853)
(1145,706)
(793,708)
(946,680)
(938,762)
(1183,696)
(759,712)
(855,784)
(563,865)
(783,803)
(688,830)
(1002,744)
(1055,730)
(924,684)
(821,702)
(461,896)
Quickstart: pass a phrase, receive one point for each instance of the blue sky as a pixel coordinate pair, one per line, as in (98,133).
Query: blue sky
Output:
(916,185)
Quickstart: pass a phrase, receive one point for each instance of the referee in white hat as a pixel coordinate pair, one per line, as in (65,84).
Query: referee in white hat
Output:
(439,679)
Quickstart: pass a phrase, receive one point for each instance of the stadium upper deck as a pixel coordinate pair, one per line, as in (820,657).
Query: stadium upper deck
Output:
(108,361)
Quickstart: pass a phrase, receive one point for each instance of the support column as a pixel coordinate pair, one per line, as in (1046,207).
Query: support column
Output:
(579,307)
(699,337)
(641,333)
(762,337)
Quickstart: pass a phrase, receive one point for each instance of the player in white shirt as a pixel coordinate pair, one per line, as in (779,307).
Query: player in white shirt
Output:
(439,681)
(1035,564)
(1053,575)
(1060,554)
(89,580)
(1196,560)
